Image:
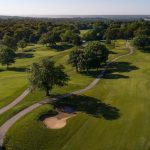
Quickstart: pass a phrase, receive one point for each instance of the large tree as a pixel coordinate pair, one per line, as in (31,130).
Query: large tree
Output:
(98,54)
(22,44)
(142,41)
(45,75)
(71,37)
(9,41)
(7,55)
(74,57)
(91,56)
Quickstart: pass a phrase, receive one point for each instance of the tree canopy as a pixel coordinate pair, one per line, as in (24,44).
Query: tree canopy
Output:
(45,75)
(91,56)
(7,55)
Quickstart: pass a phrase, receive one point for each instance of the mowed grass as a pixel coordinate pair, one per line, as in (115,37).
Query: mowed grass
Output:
(77,81)
(14,81)
(123,121)
(82,32)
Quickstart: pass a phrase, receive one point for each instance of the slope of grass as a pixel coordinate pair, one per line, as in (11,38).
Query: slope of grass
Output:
(77,81)
(14,81)
(117,118)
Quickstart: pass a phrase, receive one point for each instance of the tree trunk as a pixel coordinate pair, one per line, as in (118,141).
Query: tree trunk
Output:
(77,69)
(47,93)
(97,69)
(87,70)
(7,66)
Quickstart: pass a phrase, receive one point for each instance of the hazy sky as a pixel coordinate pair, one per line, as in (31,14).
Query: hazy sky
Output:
(73,7)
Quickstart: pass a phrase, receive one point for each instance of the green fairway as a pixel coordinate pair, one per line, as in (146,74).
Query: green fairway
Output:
(77,81)
(14,81)
(121,123)
(82,32)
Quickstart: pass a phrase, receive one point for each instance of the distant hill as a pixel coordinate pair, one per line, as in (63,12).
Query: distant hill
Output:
(113,17)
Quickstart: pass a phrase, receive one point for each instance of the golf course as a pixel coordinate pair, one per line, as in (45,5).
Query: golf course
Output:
(75,83)
(122,95)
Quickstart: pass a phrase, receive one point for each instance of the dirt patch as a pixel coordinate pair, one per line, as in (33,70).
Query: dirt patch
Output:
(60,120)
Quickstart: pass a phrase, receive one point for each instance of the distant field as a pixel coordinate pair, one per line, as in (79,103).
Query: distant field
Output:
(124,114)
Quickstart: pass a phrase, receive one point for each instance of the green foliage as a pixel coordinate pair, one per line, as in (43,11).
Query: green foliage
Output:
(89,57)
(7,55)
(45,75)
(9,41)
(119,90)
(71,37)
(89,36)
(142,41)
(49,38)
(22,44)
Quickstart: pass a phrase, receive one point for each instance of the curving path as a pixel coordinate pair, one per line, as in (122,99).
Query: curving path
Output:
(5,127)
(16,101)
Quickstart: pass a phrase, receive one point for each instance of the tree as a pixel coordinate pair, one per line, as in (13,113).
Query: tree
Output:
(43,39)
(141,41)
(7,56)
(22,44)
(71,37)
(89,36)
(90,57)
(97,53)
(75,56)
(48,38)
(45,75)
(9,41)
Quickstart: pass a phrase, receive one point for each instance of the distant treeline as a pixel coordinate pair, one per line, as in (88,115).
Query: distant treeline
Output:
(48,32)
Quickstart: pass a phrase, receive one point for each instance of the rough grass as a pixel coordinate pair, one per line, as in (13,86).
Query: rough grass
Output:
(120,122)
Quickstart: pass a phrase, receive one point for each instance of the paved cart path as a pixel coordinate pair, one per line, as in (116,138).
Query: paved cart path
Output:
(15,102)
(6,126)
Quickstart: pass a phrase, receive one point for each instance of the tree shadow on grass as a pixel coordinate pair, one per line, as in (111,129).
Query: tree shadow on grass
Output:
(19,69)
(113,70)
(90,106)
(24,55)
(47,115)
(145,50)
(111,52)
(119,67)
(122,67)
(62,47)
(30,50)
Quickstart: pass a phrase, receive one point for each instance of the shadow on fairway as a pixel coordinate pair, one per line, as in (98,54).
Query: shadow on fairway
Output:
(113,71)
(17,69)
(145,50)
(24,55)
(111,52)
(62,47)
(89,105)
(119,67)
(30,50)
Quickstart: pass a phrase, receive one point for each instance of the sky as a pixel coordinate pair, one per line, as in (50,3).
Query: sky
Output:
(74,7)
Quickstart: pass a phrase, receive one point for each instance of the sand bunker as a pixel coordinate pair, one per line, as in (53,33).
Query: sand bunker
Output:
(59,121)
